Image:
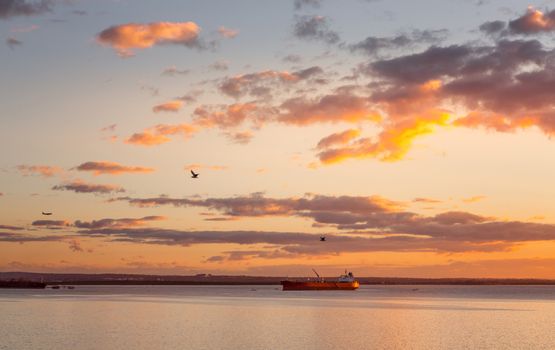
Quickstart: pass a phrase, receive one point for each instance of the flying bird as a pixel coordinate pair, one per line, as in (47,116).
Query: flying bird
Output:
(322,238)
(194,175)
(46,213)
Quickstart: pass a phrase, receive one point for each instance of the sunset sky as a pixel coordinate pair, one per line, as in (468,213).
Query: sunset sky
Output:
(417,136)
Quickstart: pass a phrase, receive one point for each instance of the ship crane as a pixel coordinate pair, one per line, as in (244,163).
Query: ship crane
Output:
(320,279)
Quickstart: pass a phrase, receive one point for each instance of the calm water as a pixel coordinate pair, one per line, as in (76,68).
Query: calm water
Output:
(263,317)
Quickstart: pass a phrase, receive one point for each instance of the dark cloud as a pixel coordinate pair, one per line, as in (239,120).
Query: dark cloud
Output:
(80,186)
(191,97)
(187,238)
(9,227)
(13,43)
(433,63)
(51,223)
(493,27)
(219,66)
(23,238)
(504,86)
(112,223)
(373,45)
(531,23)
(109,128)
(75,246)
(421,236)
(315,28)
(292,58)
(215,258)
(380,223)
(261,84)
(173,71)
(239,255)
(334,108)
(258,205)
(13,8)
(299,4)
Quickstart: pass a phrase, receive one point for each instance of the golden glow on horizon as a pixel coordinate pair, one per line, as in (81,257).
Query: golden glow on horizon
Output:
(418,151)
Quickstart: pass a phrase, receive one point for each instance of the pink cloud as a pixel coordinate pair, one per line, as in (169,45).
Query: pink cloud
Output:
(228,32)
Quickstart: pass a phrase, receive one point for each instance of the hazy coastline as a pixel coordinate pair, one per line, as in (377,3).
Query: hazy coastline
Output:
(208,279)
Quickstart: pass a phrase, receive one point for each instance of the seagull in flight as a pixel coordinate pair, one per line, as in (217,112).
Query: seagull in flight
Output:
(46,213)
(322,238)
(194,175)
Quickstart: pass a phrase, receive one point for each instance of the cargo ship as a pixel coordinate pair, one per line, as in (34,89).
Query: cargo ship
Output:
(344,282)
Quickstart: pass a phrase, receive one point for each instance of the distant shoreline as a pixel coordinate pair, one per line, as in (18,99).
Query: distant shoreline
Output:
(207,279)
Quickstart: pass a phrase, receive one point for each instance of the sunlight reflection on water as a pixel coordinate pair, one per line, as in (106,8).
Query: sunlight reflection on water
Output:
(264,317)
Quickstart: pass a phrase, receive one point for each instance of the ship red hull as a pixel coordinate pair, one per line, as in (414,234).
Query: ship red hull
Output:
(294,285)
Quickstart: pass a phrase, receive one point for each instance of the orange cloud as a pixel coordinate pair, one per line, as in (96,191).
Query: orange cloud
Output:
(158,134)
(41,170)
(112,168)
(146,138)
(129,36)
(170,106)
(473,199)
(426,200)
(534,21)
(223,117)
(166,129)
(495,122)
(196,166)
(392,143)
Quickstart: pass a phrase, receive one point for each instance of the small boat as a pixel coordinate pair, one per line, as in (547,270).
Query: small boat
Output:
(344,282)
(55,287)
